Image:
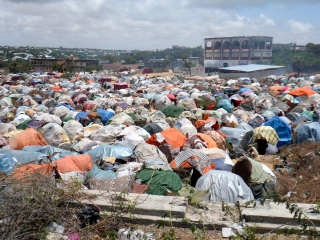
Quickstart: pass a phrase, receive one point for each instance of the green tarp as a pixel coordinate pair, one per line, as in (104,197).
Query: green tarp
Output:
(161,181)
(172,111)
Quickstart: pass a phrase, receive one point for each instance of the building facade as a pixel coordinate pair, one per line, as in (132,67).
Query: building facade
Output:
(67,64)
(233,51)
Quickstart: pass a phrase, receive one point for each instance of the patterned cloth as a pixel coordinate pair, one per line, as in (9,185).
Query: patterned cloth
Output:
(196,158)
(266,133)
(119,184)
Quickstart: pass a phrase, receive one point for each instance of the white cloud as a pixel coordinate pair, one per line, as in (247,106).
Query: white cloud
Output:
(300,27)
(268,21)
(140,24)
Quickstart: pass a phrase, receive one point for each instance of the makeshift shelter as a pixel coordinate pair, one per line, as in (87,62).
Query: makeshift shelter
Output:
(224,186)
(172,111)
(172,136)
(308,131)
(28,137)
(304,91)
(282,129)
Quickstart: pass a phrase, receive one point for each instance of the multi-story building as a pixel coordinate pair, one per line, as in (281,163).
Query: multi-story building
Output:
(232,51)
(67,64)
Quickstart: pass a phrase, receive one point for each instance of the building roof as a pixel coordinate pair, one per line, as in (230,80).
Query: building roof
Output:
(239,37)
(250,68)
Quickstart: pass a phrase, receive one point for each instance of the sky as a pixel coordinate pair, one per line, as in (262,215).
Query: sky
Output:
(154,24)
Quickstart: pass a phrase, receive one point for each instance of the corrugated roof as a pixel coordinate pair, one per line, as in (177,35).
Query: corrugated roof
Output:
(250,67)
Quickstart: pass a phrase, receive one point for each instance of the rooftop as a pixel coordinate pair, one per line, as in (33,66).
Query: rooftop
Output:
(250,68)
(239,37)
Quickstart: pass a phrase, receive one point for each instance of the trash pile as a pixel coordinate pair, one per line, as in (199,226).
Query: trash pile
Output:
(143,134)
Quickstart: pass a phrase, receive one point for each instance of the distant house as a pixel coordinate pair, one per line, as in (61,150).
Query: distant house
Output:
(233,51)
(117,66)
(45,64)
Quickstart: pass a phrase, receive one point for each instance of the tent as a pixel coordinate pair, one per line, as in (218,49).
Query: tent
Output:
(282,128)
(224,186)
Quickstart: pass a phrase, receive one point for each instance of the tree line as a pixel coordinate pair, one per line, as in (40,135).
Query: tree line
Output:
(302,61)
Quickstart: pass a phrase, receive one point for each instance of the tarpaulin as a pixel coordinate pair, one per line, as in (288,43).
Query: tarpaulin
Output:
(304,91)
(102,151)
(79,163)
(224,186)
(28,137)
(282,128)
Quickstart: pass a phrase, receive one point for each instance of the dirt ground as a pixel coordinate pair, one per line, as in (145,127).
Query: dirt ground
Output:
(302,178)
(162,74)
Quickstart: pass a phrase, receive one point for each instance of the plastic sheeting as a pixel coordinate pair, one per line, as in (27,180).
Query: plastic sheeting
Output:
(74,130)
(54,134)
(25,157)
(53,152)
(105,115)
(107,134)
(226,105)
(239,138)
(282,128)
(308,131)
(101,174)
(224,186)
(102,151)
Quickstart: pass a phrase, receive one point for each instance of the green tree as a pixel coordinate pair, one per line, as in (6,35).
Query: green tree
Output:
(129,60)
(92,68)
(111,58)
(298,62)
(55,67)
(187,63)
(13,68)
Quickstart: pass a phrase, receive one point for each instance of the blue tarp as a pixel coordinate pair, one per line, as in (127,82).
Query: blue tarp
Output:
(220,94)
(53,152)
(67,106)
(22,108)
(7,164)
(81,115)
(242,90)
(226,105)
(105,115)
(24,157)
(101,174)
(282,129)
(102,151)
(308,131)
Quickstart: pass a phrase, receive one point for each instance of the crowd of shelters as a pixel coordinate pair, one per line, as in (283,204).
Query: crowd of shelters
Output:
(146,135)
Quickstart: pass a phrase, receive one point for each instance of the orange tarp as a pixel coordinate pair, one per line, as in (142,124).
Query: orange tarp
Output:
(199,123)
(172,136)
(90,81)
(304,91)
(186,164)
(56,88)
(28,169)
(28,137)
(208,140)
(79,163)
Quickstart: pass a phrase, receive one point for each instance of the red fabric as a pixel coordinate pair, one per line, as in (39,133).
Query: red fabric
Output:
(171,97)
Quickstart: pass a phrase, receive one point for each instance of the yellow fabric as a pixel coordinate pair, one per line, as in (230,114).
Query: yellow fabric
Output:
(267,133)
